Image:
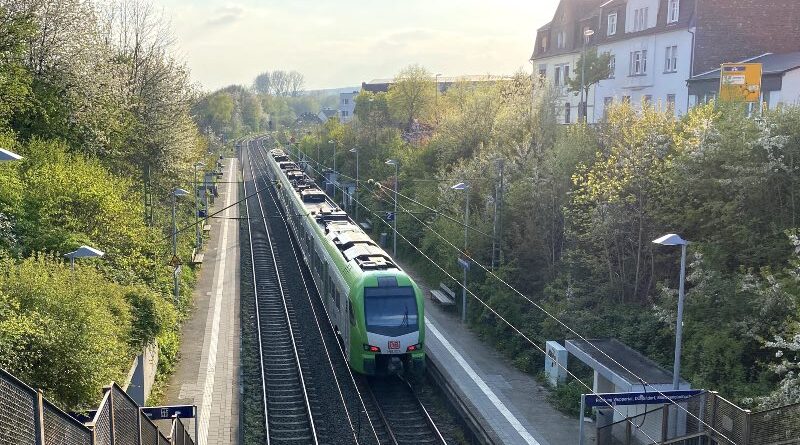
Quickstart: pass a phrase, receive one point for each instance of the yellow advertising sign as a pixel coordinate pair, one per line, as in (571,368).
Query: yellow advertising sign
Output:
(740,82)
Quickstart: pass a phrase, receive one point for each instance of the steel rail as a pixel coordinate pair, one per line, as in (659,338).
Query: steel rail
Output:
(295,248)
(285,311)
(255,296)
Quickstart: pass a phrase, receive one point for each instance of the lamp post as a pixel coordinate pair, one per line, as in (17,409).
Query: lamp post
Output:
(6,155)
(355,150)
(82,252)
(394,219)
(198,238)
(582,106)
(178,192)
(333,175)
(675,240)
(465,265)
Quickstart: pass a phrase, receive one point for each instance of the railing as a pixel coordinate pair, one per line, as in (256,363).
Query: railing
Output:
(706,418)
(27,418)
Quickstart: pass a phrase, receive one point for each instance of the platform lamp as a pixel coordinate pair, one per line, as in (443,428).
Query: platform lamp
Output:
(394,217)
(333,177)
(6,155)
(465,187)
(177,193)
(675,240)
(355,150)
(198,238)
(82,252)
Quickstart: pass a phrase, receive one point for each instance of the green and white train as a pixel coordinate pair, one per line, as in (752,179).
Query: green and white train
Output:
(375,307)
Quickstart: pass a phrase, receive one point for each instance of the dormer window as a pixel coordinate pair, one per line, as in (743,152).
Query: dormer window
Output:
(673,11)
(561,40)
(544,43)
(612,24)
(640,19)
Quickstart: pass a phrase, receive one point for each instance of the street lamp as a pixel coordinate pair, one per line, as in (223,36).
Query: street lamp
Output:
(675,240)
(587,33)
(394,219)
(6,155)
(177,193)
(333,176)
(355,150)
(82,252)
(198,238)
(465,187)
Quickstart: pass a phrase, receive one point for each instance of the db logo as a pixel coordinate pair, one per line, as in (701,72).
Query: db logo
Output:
(393,344)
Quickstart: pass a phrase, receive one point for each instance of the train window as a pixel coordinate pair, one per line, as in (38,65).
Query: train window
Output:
(338,299)
(390,310)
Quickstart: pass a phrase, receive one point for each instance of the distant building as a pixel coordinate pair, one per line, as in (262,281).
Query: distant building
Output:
(780,81)
(657,46)
(347,106)
(443,83)
(327,113)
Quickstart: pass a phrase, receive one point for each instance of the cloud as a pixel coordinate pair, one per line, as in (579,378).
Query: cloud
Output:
(226,15)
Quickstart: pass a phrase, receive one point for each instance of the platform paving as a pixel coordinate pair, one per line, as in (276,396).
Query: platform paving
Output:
(511,405)
(207,373)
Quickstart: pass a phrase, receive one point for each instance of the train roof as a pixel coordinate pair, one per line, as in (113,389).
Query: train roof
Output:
(354,245)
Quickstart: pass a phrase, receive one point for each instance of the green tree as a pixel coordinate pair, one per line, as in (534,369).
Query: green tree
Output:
(411,97)
(590,69)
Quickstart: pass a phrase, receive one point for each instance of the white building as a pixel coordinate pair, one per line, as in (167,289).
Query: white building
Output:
(650,42)
(347,106)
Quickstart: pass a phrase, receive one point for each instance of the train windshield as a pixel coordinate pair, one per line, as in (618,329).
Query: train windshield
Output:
(390,310)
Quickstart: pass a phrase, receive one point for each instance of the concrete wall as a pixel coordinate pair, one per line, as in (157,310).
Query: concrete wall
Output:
(790,90)
(142,374)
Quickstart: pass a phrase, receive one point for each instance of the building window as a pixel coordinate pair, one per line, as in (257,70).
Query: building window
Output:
(544,43)
(673,11)
(607,102)
(626,99)
(560,40)
(561,75)
(671,59)
(612,66)
(344,113)
(543,70)
(647,100)
(567,110)
(346,101)
(670,102)
(639,63)
(612,23)
(640,19)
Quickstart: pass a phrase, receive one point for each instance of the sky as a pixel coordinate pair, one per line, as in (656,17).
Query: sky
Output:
(342,43)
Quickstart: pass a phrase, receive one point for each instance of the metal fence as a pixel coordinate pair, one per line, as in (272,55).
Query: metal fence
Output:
(707,419)
(27,418)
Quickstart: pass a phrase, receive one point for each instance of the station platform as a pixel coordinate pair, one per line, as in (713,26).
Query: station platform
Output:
(510,406)
(207,374)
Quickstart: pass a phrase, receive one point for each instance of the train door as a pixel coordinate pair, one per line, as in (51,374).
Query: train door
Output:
(344,321)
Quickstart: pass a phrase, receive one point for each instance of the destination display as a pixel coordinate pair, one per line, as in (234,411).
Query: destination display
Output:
(639,398)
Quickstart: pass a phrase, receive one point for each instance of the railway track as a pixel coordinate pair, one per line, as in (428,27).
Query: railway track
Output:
(393,413)
(285,397)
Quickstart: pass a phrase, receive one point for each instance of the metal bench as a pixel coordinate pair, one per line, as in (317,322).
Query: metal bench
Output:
(444,295)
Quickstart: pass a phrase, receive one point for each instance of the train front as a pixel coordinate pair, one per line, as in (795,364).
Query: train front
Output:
(394,321)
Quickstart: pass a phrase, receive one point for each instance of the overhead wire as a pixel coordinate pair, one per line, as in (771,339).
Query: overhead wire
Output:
(501,317)
(539,307)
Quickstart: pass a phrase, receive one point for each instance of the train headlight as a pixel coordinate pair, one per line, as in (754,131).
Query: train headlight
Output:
(370,348)
(415,347)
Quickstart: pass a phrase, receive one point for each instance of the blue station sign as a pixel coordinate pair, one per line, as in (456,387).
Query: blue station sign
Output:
(639,398)
(169,412)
